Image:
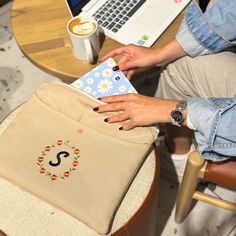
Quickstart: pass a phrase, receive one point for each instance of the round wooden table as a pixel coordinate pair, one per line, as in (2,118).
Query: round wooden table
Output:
(40,31)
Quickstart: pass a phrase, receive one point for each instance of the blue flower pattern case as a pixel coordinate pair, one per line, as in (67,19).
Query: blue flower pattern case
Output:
(102,81)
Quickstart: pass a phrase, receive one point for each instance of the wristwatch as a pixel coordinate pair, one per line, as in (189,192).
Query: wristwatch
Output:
(177,116)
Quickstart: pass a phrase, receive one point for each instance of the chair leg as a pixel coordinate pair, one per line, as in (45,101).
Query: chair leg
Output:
(188,186)
(227,205)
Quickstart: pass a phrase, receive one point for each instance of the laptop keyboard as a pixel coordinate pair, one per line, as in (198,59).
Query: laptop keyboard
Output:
(113,14)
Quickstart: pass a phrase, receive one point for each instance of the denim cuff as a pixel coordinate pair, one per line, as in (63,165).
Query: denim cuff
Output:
(196,35)
(189,43)
(214,120)
(202,115)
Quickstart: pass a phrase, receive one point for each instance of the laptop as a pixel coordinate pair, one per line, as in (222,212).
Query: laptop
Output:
(140,22)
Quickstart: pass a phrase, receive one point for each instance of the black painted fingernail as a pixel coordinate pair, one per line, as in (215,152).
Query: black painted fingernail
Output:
(106,120)
(95,109)
(121,128)
(115,68)
(99,98)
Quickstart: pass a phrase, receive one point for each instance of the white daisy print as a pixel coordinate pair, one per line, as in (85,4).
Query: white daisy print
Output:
(104,86)
(79,84)
(107,73)
(111,62)
(87,89)
(97,74)
(122,88)
(89,80)
(94,93)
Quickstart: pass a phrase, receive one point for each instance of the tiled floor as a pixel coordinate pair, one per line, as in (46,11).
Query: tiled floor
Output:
(19,79)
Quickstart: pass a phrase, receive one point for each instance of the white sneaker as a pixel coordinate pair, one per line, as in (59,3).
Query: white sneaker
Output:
(171,165)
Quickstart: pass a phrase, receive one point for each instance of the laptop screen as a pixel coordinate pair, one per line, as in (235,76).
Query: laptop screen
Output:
(76,6)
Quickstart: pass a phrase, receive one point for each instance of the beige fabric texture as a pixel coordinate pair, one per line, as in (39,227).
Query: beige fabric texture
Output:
(205,76)
(62,151)
(23,214)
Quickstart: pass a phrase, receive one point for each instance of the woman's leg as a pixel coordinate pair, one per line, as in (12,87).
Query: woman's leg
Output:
(203,76)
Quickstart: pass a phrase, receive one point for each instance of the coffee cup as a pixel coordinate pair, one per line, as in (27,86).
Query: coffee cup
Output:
(84,36)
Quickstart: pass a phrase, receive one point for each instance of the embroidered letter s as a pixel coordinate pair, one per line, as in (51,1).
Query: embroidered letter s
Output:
(64,154)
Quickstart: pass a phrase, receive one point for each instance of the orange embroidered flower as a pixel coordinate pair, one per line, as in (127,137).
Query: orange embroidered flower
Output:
(66,174)
(76,151)
(47,149)
(59,142)
(53,177)
(75,163)
(42,170)
(40,159)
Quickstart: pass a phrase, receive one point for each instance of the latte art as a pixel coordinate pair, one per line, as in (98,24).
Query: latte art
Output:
(84,34)
(82,27)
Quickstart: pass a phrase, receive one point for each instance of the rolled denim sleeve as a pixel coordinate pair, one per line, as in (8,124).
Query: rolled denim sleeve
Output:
(211,32)
(214,120)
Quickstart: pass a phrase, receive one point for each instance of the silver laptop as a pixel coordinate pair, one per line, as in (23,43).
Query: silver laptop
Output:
(139,22)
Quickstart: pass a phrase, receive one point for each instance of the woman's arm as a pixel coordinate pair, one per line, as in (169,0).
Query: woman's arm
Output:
(134,57)
(137,110)
(214,121)
(211,32)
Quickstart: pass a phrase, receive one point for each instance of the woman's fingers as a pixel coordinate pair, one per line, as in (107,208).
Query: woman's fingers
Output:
(117,118)
(113,53)
(136,110)
(127,70)
(128,126)
(129,74)
(122,118)
(117,106)
(120,98)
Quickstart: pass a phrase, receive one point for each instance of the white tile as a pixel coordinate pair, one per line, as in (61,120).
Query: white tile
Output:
(226,194)
(5,15)
(232,232)
(5,35)
(19,78)
(203,218)
(5,26)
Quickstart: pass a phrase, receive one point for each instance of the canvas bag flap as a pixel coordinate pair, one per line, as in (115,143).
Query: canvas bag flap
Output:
(62,151)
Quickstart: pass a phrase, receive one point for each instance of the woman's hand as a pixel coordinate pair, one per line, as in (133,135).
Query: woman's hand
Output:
(134,57)
(137,110)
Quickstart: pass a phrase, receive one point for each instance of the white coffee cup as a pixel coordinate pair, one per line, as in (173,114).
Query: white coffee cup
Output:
(84,36)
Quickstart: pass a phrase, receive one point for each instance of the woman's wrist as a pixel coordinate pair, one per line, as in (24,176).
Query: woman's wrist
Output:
(166,107)
(168,53)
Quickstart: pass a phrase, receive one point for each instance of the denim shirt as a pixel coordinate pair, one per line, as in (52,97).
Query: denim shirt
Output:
(211,32)
(214,119)
(215,122)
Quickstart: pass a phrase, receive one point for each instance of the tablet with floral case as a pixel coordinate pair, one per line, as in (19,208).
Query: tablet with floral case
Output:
(102,81)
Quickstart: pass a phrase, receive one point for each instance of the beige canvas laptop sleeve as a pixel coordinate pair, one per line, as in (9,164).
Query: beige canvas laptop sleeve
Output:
(62,151)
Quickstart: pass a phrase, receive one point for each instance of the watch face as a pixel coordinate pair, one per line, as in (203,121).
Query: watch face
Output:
(177,116)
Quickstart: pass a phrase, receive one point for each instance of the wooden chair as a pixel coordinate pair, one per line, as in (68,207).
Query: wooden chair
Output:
(197,169)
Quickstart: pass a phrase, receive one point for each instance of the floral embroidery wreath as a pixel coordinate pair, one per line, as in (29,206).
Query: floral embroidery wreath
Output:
(47,149)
